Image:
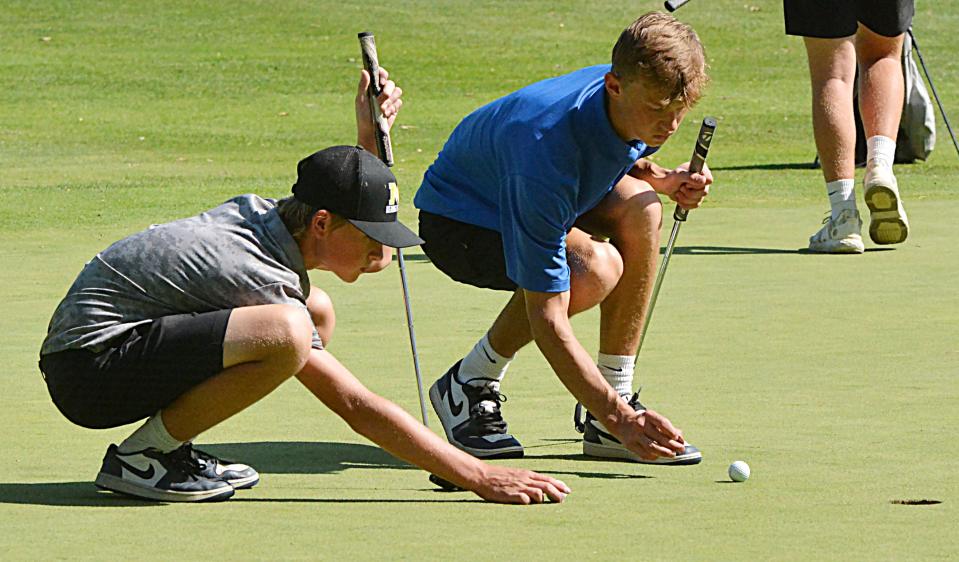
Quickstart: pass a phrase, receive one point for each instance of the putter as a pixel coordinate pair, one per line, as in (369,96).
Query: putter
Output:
(385,149)
(696,164)
(932,87)
(673,5)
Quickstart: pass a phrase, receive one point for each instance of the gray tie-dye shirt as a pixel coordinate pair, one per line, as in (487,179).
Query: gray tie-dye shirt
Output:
(237,254)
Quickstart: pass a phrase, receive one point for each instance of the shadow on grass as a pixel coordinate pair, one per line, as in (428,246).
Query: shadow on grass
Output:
(599,475)
(555,442)
(352,500)
(305,457)
(291,457)
(270,457)
(734,251)
(783,166)
(77,494)
(726,251)
(576,457)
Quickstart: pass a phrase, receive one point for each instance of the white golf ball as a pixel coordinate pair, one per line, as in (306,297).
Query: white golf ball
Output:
(739,471)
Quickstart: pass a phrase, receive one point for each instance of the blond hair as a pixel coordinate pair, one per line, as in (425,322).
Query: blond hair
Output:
(665,54)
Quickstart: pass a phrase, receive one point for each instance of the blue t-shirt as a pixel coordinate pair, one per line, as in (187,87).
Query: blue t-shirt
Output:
(528,165)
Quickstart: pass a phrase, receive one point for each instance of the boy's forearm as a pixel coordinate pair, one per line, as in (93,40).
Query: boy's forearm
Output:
(577,371)
(651,173)
(386,424)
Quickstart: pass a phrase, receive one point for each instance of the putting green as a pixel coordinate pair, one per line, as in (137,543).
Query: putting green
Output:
(834,377)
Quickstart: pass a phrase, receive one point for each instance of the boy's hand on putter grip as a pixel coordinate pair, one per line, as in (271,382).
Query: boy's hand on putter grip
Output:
(389,100)
(652,435)
(511,485)
(689,188)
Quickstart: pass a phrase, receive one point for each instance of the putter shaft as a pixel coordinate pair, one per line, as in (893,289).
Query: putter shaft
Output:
(409,325)
(696,164)
(659,281)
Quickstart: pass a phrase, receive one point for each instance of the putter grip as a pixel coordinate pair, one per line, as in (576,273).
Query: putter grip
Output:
(673,5)
(698,160)
(370,62)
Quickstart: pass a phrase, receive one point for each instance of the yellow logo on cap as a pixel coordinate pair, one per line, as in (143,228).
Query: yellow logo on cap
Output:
(393,204)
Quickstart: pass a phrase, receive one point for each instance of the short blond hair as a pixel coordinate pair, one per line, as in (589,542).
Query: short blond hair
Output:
(665,54)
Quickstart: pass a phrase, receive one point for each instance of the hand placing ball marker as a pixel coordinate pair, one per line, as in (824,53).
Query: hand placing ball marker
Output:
(739,471)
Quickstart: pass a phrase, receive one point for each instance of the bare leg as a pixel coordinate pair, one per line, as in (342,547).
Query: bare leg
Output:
(631,216)
(618,275)
(880,100)
(595,267)
(832,70)
(880,82)
(263,346)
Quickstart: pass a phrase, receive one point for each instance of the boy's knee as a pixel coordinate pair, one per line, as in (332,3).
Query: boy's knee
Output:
(285,338)
(642,220)
(597,268)
(609,265)
(652,212)
(321,311)
(296,330)
(279,335)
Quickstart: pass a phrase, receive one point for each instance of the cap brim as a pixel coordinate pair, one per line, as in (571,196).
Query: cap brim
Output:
(393,234)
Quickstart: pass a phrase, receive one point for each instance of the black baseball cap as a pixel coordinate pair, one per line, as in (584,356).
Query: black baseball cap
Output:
(351,182)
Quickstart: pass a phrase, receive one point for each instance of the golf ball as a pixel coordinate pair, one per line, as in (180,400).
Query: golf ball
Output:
(739,471)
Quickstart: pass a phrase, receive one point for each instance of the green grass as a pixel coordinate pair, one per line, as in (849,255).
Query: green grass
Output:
(834,377)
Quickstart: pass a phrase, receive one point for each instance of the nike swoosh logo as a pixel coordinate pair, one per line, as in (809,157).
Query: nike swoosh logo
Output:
(455,408)
(612,368)
(831,193)
(139,473)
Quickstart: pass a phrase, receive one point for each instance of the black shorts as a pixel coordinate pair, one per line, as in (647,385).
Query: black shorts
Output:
(832,19)
(140,373)
(467,253)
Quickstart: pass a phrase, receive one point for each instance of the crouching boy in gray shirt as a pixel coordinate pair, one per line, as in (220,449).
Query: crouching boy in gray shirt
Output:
(190,322)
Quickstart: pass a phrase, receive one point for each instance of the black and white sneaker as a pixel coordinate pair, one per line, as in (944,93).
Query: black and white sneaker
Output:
(597,442)
(238,475)
(153,475)
(471,417)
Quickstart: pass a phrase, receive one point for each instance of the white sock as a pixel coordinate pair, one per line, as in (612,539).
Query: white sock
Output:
(151,435)
(618,371)
(841,196)
(482,362)
(880,151)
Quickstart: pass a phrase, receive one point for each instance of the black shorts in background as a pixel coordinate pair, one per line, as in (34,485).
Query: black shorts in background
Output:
(140,373)
(832,19)
(466,253)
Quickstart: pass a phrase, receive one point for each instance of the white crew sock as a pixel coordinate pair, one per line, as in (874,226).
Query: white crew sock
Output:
(841,196)
(151,435)
(618,371)
(880,151)
(482,362)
